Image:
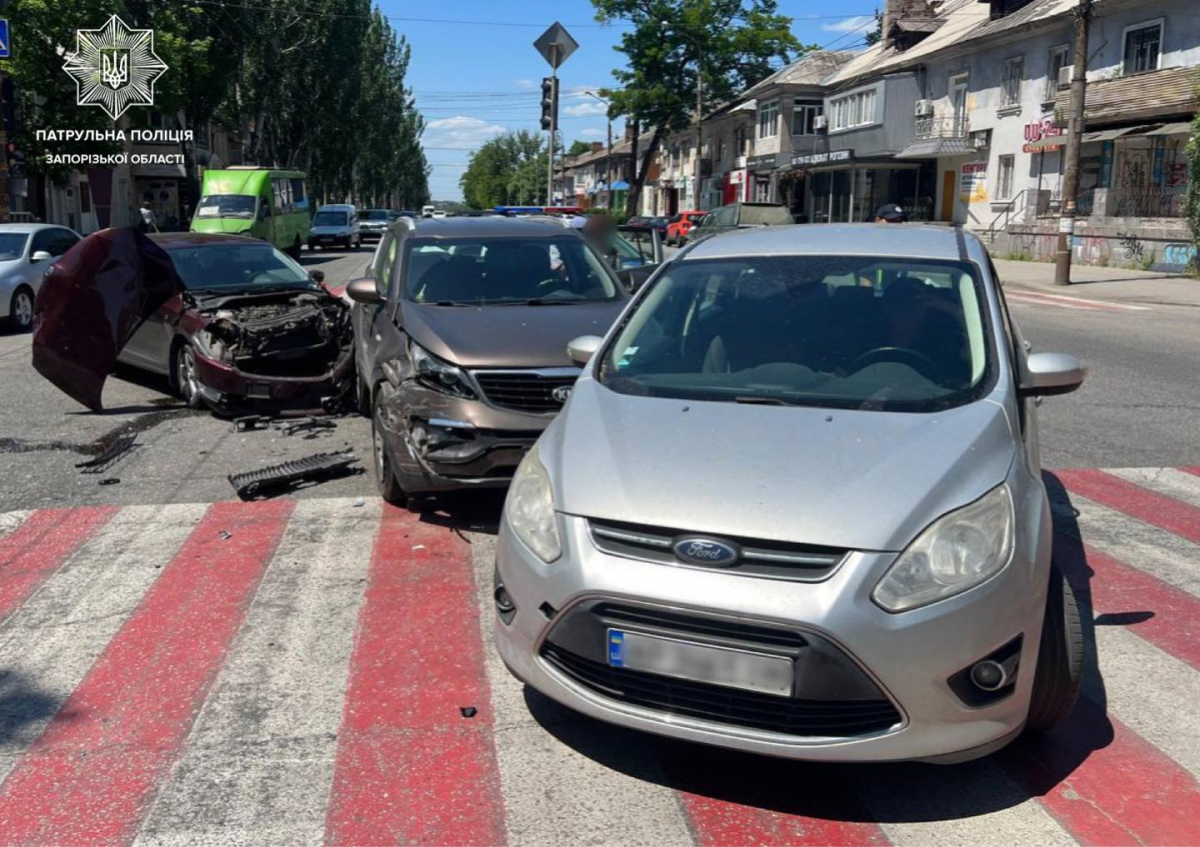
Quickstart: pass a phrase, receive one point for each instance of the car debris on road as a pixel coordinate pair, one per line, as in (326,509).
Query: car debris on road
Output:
(315,468)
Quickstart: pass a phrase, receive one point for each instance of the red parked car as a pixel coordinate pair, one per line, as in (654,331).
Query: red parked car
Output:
(681,224)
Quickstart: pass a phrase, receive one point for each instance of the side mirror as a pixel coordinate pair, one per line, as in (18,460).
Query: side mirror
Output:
(264,212)
(40,256)
(363,291)
(582,349)
(1050,374)
(318,276)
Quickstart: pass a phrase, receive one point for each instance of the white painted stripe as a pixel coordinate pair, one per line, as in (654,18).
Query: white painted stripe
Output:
(1157,552)
(1067,300)
(9,521)
(555,792)
(975,803)
(1149,691)
(51,642)
(1169,482)
(259,761)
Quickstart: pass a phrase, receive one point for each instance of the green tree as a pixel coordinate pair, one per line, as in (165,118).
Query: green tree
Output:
(578,147)
(503,171)
(1192,198)
(874,35)
(675,45)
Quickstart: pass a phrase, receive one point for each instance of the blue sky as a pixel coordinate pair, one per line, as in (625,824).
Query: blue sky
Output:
(474,80)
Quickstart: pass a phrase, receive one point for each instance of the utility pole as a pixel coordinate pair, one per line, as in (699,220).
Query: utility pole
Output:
(5,209)
(608,168)
(553,125)
(1066,224)
(699,115)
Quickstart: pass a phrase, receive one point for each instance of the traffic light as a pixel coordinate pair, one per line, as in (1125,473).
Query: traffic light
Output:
(549,102)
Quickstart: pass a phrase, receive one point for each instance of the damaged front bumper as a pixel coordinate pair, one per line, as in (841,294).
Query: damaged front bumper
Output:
(228,390)
(439,443)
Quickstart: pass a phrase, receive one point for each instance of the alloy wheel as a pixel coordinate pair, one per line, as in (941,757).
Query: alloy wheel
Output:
(22,309)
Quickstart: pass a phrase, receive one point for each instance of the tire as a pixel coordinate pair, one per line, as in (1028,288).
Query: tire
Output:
(385,476)
(184,375)
(294,250)
(346,243)
(1060,658)
(20,309)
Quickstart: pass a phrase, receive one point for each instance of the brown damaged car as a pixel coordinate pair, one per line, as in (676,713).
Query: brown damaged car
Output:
(232,322)
(461,343)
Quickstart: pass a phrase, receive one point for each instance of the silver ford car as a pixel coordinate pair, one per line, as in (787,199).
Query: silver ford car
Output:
(794,506)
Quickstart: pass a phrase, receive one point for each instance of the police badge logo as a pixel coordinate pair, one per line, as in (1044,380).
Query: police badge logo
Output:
(115,67)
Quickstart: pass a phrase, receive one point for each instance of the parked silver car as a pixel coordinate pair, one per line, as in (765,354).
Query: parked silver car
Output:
(794,506)
(26,251)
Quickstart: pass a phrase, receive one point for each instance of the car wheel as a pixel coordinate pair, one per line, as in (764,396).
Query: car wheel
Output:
(385,475)
(294,251)
(1060,657)
(186,382)
(20,310)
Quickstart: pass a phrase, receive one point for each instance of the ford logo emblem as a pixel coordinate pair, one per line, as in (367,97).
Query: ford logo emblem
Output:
(561,393)
(706,551)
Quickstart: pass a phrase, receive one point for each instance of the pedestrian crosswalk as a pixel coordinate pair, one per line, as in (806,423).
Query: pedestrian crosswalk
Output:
(1027,297)
(289,672)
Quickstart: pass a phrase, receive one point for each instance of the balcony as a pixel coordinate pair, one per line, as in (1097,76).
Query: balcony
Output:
(942,126)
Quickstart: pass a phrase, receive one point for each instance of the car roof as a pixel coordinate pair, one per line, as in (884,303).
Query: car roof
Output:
(28,228)
(916,241)
(487,227)
(167,240)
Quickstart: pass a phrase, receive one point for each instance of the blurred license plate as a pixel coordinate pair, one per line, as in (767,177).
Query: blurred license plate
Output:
(700,662)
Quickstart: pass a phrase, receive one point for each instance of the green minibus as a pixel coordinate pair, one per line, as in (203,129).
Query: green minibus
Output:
(260,202)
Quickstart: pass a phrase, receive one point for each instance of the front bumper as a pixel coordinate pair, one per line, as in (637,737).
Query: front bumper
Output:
(908,659)
(230,391)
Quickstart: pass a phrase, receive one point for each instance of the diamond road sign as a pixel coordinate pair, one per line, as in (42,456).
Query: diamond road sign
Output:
(5,47)
(556,45)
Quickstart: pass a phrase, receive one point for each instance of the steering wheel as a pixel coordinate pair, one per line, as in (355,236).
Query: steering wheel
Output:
(915,359)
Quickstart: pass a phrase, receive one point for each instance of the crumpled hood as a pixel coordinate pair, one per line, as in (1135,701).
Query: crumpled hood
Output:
(848,479)
(507,336)
(92,301)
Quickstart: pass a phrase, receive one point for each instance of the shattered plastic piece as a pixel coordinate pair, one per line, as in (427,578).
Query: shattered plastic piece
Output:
(109,457)
(468,711)
(310,425)
(225,536)
(360,502)
(112,480)
(315,468)
(418,546)
(249,423)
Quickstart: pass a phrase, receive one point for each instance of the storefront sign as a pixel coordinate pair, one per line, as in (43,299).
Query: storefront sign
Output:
(972,185)
(1039,130)
(736,177)
(824,158)
(761,163)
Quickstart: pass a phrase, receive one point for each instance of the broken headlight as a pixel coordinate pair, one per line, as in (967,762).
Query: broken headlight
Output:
(438,375)
(955,553)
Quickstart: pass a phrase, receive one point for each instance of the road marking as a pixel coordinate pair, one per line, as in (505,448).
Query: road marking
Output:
(259,759)
(1070,302)
(1170,482)
(1167,513)
(35,548)
(91,774)
(410,767)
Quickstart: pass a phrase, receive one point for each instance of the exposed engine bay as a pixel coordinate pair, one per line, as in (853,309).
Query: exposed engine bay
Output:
(287,334)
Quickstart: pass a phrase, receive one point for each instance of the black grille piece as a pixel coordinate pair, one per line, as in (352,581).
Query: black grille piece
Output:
(725,631)
(757,556)
(790,716)
(529,391)
(313,468)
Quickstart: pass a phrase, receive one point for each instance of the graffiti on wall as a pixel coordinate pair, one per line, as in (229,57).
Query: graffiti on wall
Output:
(1091,249)
(1179,256)
(1132,245)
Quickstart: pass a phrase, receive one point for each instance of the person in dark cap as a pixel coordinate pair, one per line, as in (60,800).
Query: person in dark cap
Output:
(890,213)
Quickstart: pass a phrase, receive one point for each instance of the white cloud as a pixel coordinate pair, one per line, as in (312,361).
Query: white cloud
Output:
(854,24)
(587,109)
(459,131)
(592,132)
(527,84)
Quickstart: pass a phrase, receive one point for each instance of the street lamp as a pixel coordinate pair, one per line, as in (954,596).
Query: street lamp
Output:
(699,111)
(608,170)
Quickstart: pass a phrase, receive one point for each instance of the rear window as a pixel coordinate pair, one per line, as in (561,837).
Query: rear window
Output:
(760,215)
(376,215)
(331,219)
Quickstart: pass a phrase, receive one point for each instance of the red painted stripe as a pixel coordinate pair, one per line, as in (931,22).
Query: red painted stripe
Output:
(1192,470)
(91,775)
(1106,785)
(35,549)
(1147,506)
(410,768)
(716,823)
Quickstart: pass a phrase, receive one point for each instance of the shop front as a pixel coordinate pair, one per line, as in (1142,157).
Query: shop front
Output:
(843,189)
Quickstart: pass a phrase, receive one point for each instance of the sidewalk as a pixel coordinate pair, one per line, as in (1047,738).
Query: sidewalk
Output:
(1115,284)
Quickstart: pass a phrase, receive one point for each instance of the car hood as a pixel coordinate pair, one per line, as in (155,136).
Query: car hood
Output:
(846,479)
(91,302)
(506,336)
(330,230)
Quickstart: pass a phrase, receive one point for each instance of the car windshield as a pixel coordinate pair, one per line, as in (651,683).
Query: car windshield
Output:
(237,267)
(226,206)
(830,331)
(331,219)
(757,215)
(490,271)
(12,245)
(376,215)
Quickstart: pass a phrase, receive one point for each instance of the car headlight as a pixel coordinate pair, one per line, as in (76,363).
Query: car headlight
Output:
(439,375)
(955,553)
(530,509)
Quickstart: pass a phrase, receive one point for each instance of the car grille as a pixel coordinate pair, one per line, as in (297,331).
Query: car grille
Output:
(717,703)
(524,391)
(758,557)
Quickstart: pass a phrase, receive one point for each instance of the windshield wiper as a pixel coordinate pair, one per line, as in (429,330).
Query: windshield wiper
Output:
(447,303)
(539,301)
(761,401)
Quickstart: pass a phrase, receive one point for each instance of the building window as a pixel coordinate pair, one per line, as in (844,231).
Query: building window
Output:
(739,141)
(854,111)
(1010,83)
(804,117)
(762,191)
(1004,186)
(1143,47)
(1059,57)
(768,119)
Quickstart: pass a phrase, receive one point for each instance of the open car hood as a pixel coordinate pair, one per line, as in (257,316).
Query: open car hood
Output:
(91,303)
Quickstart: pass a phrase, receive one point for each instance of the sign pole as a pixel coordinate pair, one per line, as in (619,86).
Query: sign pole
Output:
(553,124)
(556,46)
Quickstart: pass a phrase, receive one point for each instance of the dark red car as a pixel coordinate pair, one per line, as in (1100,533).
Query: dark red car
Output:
(232,322)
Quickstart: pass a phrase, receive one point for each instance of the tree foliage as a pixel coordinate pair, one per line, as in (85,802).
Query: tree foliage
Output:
(577,147)
(725,44)
(289,81)
(509,169)
(1192,197)
(875,34)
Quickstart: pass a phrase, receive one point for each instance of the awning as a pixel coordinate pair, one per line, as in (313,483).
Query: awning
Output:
(932,148)
(1171,129)
(620,185)
(1110,134)
(1048,141)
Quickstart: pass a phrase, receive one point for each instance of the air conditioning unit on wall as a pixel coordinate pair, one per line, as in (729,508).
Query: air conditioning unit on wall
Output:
(924,108)
(820,122)
(1065,75)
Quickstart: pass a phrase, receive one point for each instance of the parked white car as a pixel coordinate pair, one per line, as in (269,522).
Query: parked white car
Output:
(26,252)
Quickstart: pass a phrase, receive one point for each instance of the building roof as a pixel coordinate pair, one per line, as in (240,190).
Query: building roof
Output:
(810,69)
